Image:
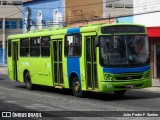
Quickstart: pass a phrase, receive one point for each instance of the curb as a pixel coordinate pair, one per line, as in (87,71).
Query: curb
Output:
(153,89)
(3,65)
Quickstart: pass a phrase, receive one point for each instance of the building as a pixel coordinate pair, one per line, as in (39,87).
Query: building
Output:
(114,8)
(41,14)
(147,12)
(98,11)
(82,12)
(122,10)
(10,23)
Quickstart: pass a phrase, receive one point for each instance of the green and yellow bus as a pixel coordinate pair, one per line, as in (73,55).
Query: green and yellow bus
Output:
(95,57)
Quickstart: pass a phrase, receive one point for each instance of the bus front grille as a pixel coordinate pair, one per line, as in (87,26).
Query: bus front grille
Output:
(128,77)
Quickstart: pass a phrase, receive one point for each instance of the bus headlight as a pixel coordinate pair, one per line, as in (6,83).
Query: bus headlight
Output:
(109,77)
(146,74)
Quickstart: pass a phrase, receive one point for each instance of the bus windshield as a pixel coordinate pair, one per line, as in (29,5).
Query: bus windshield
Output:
(124,50)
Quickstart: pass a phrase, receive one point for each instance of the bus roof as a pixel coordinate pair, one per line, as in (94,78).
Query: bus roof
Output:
(62,31)
(39,33)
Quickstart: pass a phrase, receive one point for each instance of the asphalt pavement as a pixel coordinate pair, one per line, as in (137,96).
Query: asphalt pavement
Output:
(14,97)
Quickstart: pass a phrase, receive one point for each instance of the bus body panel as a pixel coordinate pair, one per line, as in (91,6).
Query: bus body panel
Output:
(73,31)
(46,71)
(123,84)
(42,70)
(126,80)
(10,68)
(73,63)
(35,70)
(24,65)
(73,66)
(31,34)
(65,72)
(114,86)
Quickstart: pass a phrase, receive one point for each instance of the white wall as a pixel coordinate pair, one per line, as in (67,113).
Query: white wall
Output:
(120,1)
(149,10)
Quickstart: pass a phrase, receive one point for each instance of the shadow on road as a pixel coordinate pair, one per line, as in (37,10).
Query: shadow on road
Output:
(2,77)
(130,95)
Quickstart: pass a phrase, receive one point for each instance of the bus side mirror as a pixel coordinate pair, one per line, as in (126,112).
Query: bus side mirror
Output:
(96,41)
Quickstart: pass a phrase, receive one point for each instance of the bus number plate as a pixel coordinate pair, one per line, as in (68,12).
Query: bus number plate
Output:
(129,86)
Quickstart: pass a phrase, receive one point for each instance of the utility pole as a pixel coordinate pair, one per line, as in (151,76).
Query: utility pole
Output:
(28,19)
(3,42)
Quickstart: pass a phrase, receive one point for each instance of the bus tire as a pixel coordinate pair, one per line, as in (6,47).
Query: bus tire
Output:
(76,87)
(28,82)
(120,92)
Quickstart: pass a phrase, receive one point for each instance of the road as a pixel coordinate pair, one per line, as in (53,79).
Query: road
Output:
(15,97)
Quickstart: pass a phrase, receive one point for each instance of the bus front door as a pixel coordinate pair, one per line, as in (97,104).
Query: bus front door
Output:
(15,60)
(57,63)
(91,63)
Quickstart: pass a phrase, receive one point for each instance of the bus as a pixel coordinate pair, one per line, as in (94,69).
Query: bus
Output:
(96,57)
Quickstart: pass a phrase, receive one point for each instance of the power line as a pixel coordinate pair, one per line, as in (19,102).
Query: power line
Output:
(19,9)
(83,14)
(73,6)
(95,4)
(117,16)
(12,14)
(52,23)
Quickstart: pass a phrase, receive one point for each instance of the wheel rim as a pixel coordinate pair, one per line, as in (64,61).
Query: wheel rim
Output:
(76,87)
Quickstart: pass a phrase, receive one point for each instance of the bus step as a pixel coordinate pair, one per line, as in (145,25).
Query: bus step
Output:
(59,87)
(92,90)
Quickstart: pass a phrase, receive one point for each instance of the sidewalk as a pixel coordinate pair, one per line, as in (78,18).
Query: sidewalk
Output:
(3,65)
(156,83)
(3,69)
(155,86)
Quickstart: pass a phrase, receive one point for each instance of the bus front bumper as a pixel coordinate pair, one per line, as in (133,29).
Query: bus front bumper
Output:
(124,85)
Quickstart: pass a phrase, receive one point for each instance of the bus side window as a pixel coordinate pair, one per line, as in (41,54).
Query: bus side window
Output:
(24,47)
(45,46)
(73,45)
(35,47)
(77,48)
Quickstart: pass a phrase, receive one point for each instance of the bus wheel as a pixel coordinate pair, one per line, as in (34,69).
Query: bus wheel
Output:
(28,82)
(76,87)
(120,92)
